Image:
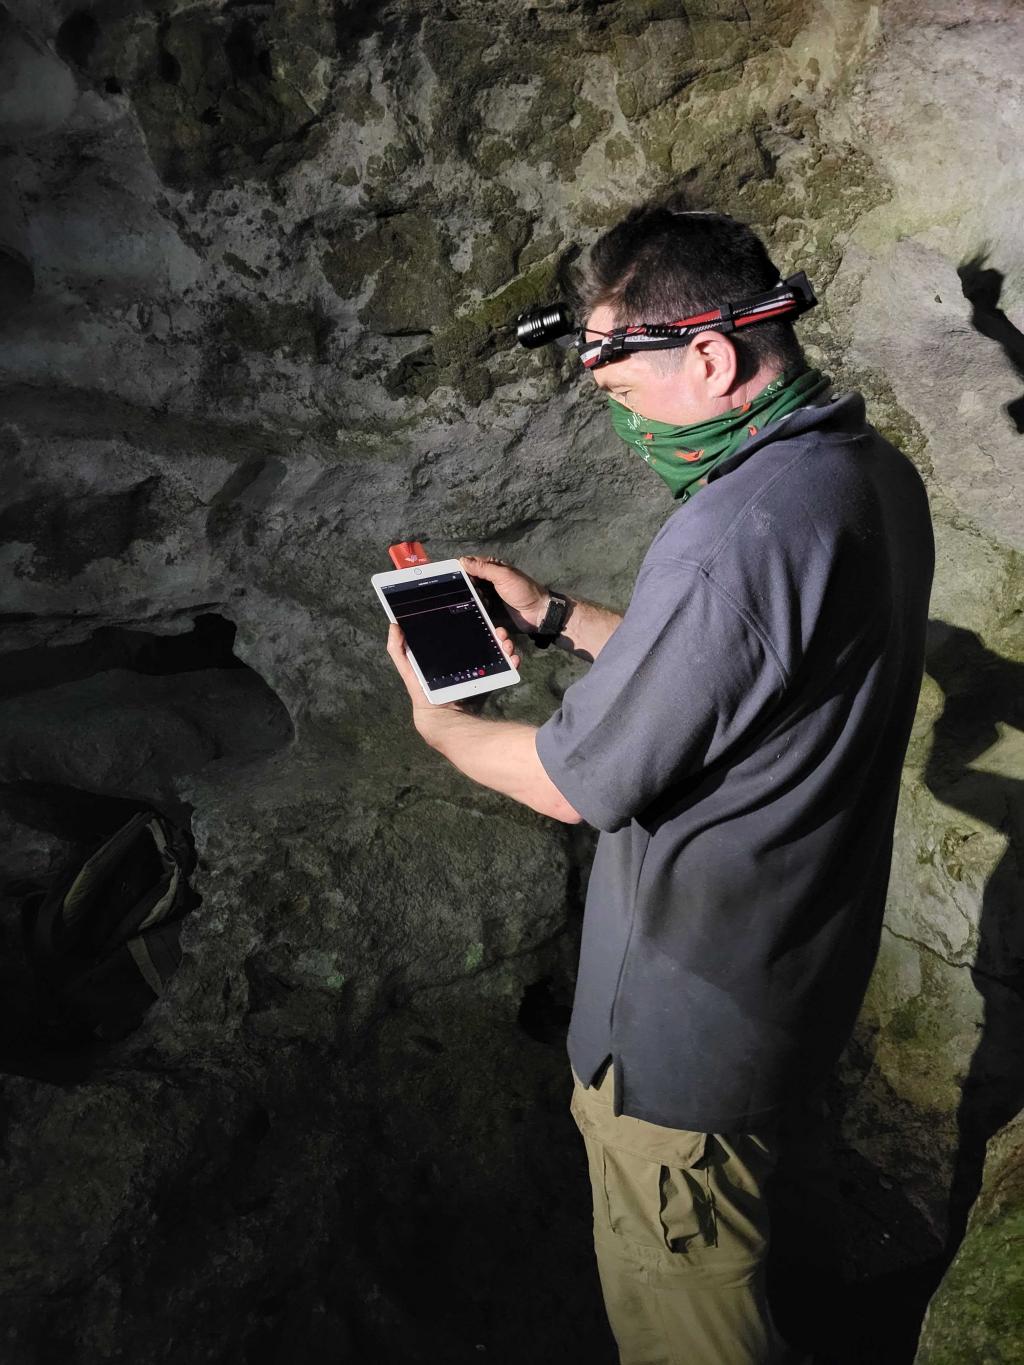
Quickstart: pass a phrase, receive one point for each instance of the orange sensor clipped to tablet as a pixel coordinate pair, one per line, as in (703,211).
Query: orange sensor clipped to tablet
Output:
(407,553)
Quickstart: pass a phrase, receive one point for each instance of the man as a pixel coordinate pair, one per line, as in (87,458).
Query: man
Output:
(738,740)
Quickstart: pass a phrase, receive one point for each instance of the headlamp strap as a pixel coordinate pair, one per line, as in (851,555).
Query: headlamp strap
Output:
(792,296)
(614,346)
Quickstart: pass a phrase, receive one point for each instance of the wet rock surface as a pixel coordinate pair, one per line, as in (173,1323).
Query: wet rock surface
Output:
(261,265)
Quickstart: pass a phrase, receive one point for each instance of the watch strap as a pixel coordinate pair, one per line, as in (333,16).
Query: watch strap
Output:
(550,627)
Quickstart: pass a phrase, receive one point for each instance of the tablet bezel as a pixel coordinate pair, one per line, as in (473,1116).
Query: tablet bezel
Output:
(472,687)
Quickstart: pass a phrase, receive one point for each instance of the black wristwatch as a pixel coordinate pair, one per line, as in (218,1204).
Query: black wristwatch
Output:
(554,619)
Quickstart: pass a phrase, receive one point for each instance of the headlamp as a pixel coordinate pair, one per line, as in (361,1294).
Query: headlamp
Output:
(544,325)
(552,323)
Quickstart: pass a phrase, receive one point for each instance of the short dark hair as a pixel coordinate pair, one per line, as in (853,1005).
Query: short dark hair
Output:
(665,261)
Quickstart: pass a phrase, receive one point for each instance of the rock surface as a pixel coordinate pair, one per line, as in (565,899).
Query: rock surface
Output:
(975,1317)
(263,263)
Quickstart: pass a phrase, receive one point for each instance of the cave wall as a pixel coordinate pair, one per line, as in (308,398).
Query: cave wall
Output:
(260,264)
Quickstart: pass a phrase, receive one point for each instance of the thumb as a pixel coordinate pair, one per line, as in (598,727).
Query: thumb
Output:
(480,568)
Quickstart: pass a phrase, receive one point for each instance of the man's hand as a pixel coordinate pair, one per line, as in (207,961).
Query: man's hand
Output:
(526,599)
(500,754)
(427,716)
(585,630)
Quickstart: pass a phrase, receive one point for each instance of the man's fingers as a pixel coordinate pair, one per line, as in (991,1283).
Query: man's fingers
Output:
(396,650)
(507,645)
(482,568)
(398,656)
(473,566)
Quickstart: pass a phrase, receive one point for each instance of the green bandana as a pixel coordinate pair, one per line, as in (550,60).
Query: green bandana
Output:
(684,456)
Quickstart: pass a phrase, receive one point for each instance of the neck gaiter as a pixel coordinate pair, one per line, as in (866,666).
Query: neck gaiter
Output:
(684,456)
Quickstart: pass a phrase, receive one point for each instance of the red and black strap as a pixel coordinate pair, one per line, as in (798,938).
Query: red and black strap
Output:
(789,298)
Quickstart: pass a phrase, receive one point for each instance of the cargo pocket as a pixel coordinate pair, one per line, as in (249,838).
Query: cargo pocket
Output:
(688,1213)
(665,1206)
(651,1185)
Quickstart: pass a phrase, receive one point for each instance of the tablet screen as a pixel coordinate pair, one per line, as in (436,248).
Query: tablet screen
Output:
(445,629)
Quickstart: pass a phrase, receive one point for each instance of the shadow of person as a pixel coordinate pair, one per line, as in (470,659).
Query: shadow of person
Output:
(984,705)
(982,289)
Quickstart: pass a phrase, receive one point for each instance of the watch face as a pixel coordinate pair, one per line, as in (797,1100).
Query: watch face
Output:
(554,616)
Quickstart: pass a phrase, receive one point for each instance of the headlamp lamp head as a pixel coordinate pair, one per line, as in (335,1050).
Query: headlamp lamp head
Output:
(553,323)
(541,326)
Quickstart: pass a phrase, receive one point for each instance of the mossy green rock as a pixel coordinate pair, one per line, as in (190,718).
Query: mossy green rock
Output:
(408,258)
(977,1314)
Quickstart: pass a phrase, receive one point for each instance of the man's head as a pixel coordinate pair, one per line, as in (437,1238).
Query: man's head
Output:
(661,263)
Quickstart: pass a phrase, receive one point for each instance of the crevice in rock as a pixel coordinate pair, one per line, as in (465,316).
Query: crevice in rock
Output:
(972,967)
(209,644)
(169,67)
(17,278)
(130,712)
(926,948)
(544,1011)
(77,37)
(240,49)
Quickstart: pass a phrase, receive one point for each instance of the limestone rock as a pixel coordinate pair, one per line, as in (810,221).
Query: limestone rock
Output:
(975,1317)
(262,266)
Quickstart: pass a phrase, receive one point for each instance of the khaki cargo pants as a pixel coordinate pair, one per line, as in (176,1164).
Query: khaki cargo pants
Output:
(681,1232)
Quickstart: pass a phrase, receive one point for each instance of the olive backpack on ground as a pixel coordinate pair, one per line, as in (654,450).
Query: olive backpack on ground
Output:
(104,940)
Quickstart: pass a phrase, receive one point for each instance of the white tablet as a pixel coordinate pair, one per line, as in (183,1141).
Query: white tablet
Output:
(449,637)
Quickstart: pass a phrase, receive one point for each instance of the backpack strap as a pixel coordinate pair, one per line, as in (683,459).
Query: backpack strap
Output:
(106,937)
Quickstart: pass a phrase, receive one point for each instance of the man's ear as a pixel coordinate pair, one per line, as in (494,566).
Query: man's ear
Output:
(719,361)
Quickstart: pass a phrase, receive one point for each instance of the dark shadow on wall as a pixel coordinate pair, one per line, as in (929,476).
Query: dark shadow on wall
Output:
(983,691)
(982,289)
(854,1265)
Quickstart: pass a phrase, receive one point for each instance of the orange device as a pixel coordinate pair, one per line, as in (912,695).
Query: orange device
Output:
(406,553)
